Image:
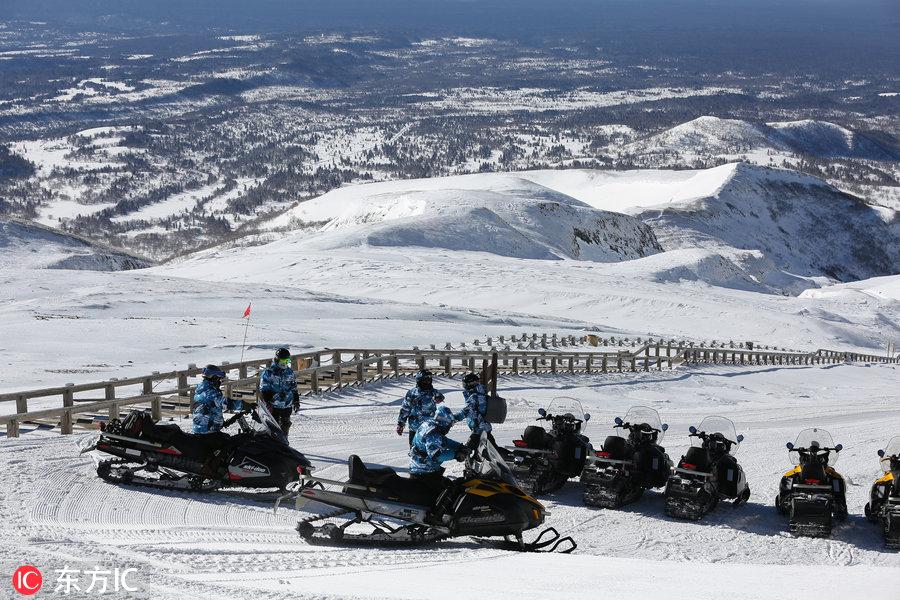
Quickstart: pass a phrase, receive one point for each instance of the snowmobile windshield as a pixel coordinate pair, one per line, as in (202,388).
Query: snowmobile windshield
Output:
(892,449)
(489,464)
(811,438)
(268,424)
(722,425)
(565,406)
(638,415)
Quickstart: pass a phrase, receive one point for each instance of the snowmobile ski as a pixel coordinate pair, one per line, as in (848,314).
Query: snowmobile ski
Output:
(548,540)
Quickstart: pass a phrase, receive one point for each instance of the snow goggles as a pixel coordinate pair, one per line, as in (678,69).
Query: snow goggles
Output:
(284,362)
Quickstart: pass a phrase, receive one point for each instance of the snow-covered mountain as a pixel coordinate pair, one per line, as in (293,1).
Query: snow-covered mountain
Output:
(753,227)
(801,224)
(500,214)
(28,245)
(715,136)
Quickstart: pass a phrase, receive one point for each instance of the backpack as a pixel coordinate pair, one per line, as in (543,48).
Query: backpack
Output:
(496,410)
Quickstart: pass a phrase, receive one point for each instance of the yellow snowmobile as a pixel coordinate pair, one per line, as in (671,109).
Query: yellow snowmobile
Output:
(884,502)
(812,494)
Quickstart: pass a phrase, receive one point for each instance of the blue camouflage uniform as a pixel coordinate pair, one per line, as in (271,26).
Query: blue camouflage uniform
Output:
(418,405)
(430,448)
(280,381)
(209,404)
(475,409)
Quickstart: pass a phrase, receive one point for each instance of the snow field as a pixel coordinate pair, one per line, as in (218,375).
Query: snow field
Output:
(54,510)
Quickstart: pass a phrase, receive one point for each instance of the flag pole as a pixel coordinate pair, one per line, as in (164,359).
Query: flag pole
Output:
(246,327)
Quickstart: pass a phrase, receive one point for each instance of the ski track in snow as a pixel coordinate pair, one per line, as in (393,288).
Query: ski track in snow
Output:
(55,511)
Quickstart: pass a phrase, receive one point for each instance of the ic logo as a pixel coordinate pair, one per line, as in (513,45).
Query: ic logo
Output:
(27,580)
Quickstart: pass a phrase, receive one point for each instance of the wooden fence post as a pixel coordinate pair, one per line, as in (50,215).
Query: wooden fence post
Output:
(111,395)
(314,380)
(67,422)
(183,390)
(156,408)
(21,403)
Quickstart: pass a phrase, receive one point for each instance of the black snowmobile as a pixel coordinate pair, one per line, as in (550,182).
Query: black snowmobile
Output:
(812,494)
(884,503)
(398,511)
(708,472)
(543,461)
(163,456)
(619,473)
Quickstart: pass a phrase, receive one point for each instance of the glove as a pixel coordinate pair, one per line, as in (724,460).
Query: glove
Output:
(438,397)
(400,429)
(462,454)
(296,406)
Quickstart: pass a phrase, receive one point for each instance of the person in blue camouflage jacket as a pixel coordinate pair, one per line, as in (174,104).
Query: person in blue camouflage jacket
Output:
(419,404)
(278,389)
(475,410)
(209,402)
(431,446)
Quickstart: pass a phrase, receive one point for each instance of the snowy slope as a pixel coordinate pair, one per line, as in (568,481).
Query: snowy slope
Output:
(802,225)
(24,244)
(773,230)
(714,136)
(821,138)
(503,215)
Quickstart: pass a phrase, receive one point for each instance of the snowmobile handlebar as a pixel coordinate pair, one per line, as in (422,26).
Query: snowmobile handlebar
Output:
(237,417)
(638,426)
(705,436)
(814,450)
(545,416)
(563,417)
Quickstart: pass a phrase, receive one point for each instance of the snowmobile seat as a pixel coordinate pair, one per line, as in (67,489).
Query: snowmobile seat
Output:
(391,486)
(698,457)
(363,475)
(617,447)
(535,436)
(814,470)
(198,445)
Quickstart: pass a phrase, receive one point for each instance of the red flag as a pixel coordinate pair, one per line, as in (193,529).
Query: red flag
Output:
(247,311)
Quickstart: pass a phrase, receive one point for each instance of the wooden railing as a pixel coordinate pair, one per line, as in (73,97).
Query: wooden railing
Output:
(326,370)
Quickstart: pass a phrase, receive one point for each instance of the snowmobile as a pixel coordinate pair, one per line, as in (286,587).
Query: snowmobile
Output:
(619,473)
(163,456)
(812,494)
(399,511)
(543,461)
(884,503)
(708,472)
